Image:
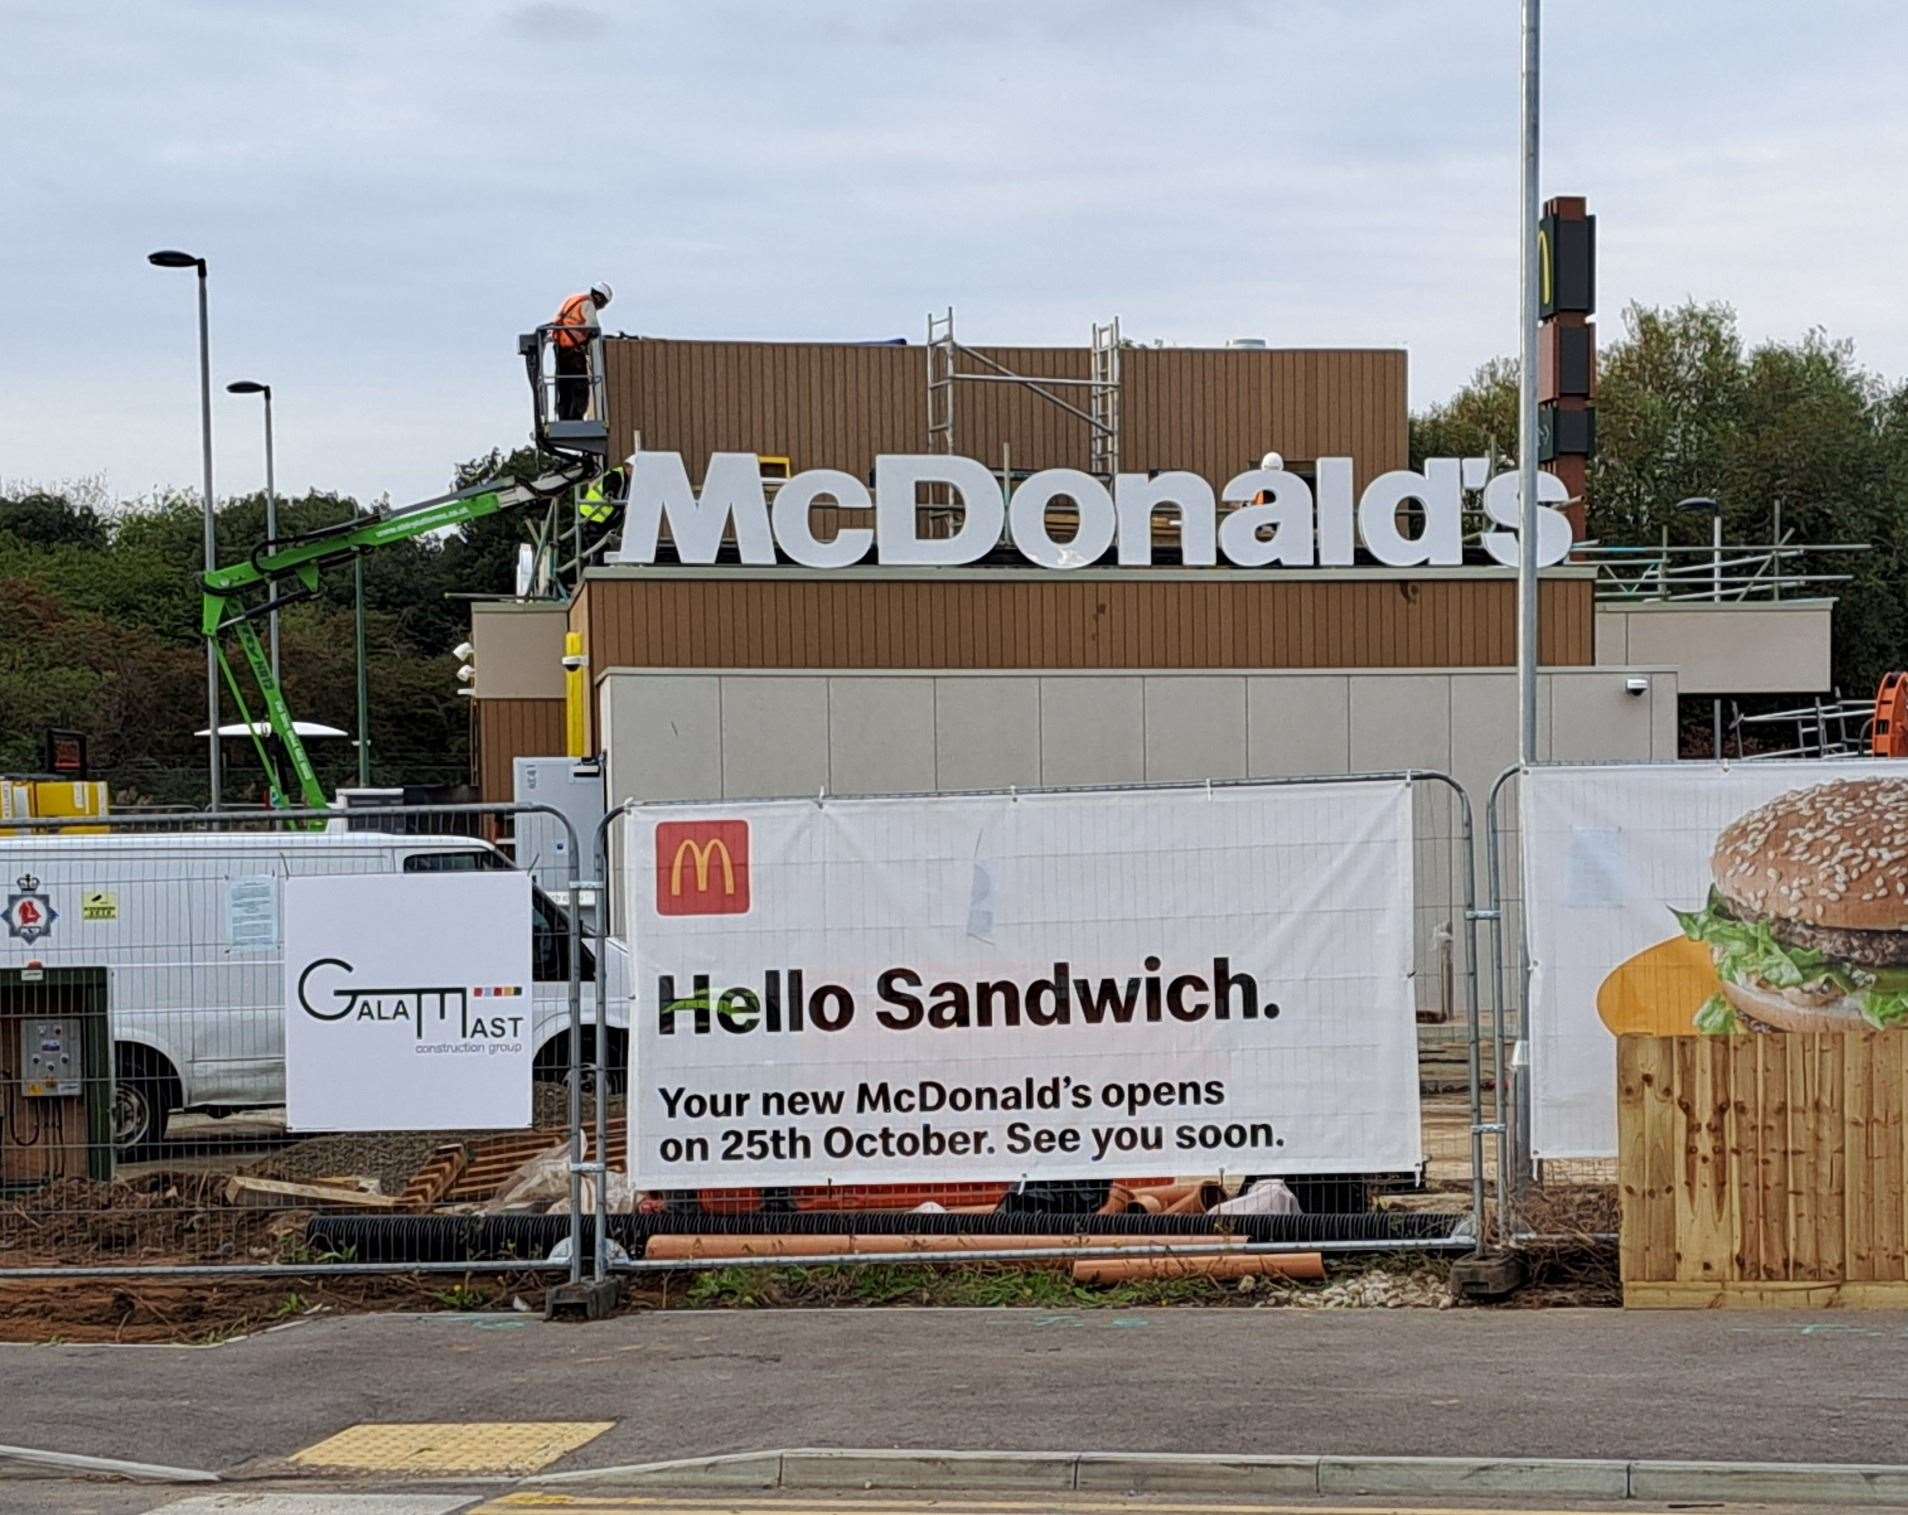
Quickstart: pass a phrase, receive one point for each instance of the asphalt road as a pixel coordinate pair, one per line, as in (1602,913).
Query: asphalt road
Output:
(1723,1385)
(43,1498)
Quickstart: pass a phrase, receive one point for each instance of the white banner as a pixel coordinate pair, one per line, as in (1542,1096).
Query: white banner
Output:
(407,1001)
(1613,856)
(1058,986)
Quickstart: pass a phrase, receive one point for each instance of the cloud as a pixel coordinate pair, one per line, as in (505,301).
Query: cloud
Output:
(387,195)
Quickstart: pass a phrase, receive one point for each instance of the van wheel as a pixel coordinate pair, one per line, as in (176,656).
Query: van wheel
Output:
(144,1093)
(552,1064)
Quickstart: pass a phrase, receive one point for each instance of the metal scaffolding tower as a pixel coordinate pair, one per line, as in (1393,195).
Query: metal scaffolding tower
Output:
(1102,412)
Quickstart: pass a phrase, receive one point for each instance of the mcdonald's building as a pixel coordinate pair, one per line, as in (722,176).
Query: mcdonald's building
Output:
(713,662)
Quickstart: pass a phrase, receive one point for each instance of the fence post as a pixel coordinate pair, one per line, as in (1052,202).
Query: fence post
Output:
(1512,1150)
(599,852)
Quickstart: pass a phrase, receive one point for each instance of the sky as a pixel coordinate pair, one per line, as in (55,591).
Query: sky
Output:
(387,193)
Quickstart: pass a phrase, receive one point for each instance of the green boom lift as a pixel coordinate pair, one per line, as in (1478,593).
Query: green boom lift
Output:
(285,571)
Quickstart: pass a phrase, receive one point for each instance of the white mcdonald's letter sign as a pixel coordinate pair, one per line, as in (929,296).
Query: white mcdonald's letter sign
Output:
(1062,986)
(1276,519)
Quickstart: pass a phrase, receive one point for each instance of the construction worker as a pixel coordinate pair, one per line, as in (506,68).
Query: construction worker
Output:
(597,504)
(576,322)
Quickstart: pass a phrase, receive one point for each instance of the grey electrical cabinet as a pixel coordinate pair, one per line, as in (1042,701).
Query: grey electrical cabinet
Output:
(573,786)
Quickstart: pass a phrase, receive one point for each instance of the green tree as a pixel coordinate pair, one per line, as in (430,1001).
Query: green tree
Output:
(1479,421)
(1794,428)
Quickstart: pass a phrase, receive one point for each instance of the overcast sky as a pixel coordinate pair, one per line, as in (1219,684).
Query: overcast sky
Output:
(388,193)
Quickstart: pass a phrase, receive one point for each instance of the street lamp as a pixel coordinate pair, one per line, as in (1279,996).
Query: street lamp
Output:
(173,258)
(1703,505)
(253,387)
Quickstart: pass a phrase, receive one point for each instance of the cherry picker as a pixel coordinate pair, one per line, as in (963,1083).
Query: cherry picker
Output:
(283,571)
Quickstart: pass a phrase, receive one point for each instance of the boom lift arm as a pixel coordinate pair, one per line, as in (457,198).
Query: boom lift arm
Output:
(299,559)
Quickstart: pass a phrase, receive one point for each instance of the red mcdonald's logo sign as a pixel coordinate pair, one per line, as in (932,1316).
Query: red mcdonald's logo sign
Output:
(702,868)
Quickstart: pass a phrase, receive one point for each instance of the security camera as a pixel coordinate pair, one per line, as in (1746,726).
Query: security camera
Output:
(1637,687)
(575,660)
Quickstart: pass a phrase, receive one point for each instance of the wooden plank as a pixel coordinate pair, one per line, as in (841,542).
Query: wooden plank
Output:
(1772,1135)
(273,1193)
(1858,1056)
(1657,1199)
(1891,1169)
(1804,1253)
(1676,1294)
(434,1180)
(1831,1159)
(1705,1237)
(1745,1153)
(1632,1148)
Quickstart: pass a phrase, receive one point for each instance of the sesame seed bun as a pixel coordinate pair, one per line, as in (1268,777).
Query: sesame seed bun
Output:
(1834,856)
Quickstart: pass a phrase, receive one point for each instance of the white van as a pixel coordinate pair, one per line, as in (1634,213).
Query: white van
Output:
(189,927)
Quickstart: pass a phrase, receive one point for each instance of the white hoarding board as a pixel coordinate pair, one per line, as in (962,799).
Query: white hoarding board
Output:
(1610,855)
(407,1001)
(1058,986)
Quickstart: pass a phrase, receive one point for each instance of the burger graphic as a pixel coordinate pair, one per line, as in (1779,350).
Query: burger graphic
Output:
(1807,918)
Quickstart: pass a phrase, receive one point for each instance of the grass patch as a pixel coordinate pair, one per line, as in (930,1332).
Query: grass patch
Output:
(973,1287)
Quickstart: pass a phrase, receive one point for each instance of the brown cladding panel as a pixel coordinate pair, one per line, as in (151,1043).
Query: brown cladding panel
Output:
(1032,620)
(835,405)
(508,729)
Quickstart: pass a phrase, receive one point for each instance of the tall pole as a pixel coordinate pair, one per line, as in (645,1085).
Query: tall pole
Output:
(215,758)
(364,726)
(1527,309)
(1715,571)
(271,521)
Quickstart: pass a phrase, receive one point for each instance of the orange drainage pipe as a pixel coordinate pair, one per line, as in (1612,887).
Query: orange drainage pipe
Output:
(1198,1200)
(1308,1266)
(689,1248)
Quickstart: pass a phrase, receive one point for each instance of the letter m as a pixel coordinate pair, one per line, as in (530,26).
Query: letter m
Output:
(702,868)
(731,492)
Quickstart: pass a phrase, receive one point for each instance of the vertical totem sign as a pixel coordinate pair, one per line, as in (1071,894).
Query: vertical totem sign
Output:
(1567,347)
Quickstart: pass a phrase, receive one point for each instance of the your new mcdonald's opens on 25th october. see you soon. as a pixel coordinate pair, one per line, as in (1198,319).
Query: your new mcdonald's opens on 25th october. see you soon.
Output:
(1405,518)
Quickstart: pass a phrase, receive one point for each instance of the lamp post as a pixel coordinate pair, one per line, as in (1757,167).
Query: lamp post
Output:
(1703,505)
(253,387)
(172,258)
(364,691)
(1528,305)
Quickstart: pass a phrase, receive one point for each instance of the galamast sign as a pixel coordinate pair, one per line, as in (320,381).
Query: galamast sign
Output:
(1277,519)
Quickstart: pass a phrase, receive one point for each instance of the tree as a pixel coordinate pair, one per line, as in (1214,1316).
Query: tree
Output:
(1683,410)
(1479,421)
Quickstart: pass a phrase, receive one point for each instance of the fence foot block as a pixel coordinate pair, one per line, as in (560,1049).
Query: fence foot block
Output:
(1495,1277)
(588,1299)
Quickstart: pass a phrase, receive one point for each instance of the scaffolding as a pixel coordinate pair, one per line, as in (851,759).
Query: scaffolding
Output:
(1101,413)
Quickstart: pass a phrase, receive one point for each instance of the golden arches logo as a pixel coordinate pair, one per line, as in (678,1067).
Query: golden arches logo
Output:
(1546,271)
(702,868)
(704,854)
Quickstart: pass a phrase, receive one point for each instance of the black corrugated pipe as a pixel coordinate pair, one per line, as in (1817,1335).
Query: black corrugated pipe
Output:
(490,1238)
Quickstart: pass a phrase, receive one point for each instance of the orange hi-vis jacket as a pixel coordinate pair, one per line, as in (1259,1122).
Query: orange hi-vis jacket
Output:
(578,312)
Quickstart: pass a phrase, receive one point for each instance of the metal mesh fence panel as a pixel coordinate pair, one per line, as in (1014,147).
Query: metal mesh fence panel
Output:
(1744,901)
(142,1039)
(143,1081)
(965,1204)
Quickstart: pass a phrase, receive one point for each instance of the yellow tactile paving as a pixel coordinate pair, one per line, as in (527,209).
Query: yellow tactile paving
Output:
(448,1447)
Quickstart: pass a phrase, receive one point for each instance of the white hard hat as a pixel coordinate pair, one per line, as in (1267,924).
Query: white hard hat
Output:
(1272,460)
(601,293)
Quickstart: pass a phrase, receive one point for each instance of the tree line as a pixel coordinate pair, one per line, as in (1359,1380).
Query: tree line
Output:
(102,599)
(1686,408)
